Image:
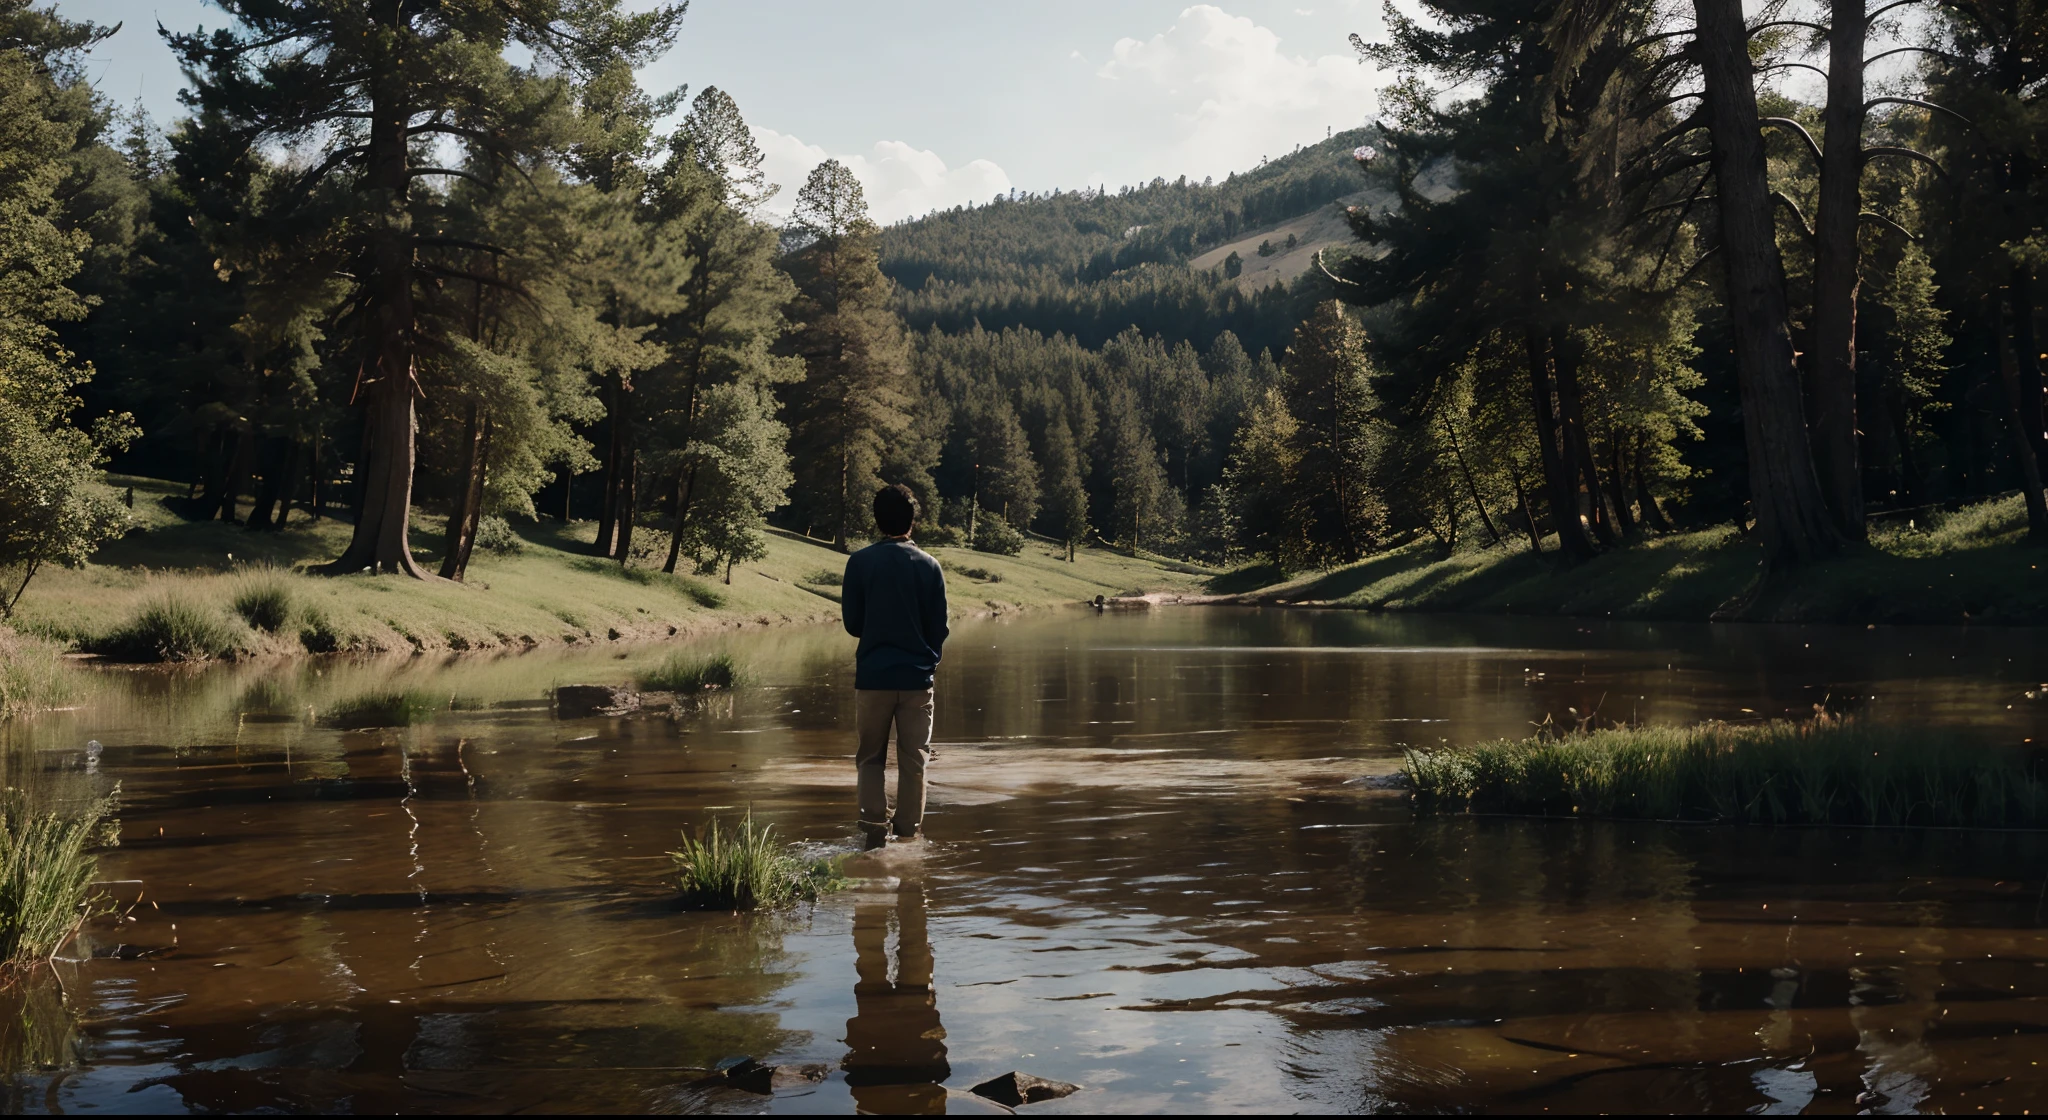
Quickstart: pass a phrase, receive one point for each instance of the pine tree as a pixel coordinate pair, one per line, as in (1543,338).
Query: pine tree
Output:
(720,338)
(1324,380)
(371,84)
(852,399)
(1259,483)
(1144,509)
(1066,498)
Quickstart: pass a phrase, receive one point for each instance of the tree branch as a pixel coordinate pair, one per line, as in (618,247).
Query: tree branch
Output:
(1789,65)
(458,243)
(1817,28)
(1880,219)
(1334,278)
(1872,17)
(415,172)
(1909,153)
(1666,103)
(1695,267)
(1659,37)
(1798,215)
(1903,50)
(1918,103)
(1795,126)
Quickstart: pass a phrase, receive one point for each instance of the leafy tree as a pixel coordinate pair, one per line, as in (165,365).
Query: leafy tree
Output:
(53,506)
(1259,484)
(852,400)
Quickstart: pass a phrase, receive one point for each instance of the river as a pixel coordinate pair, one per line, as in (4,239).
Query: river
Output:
(1155,869)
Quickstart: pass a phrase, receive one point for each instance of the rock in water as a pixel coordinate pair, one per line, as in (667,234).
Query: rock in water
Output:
(757,1077)
(574,701)
(1015,1088)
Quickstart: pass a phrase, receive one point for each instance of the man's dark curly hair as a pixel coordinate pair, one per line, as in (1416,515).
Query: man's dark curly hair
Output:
(895,510)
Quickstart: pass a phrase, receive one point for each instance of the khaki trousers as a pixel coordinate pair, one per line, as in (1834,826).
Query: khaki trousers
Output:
(875,710)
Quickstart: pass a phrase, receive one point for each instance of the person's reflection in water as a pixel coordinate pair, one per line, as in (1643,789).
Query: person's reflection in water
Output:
(896,1057)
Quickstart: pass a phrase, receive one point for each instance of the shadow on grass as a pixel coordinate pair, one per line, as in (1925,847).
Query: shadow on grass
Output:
(703,594)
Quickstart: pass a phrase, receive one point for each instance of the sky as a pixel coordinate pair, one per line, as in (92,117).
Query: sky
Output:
(933,103)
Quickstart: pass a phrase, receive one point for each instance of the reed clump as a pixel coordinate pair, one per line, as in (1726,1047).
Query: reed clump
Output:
(1828,771)
(266,599)
(747,868)
(32,674)
(169,627)
(682,672)
(46,877)
(401,708)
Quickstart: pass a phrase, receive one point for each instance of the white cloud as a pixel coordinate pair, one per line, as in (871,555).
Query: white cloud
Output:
(899,181)
(1231,94)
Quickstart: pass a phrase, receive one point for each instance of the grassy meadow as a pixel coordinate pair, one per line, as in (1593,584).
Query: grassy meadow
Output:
(1971,565)
(177,590)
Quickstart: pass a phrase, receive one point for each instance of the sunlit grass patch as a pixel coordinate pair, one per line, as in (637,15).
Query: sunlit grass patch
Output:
(46,876)
(1825,772)
(748,868)
(682,672)
(401,708)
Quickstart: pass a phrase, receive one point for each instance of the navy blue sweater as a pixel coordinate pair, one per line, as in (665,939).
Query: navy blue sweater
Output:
(894,600)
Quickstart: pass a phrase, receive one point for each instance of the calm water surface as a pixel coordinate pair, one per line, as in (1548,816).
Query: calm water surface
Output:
(1153,870)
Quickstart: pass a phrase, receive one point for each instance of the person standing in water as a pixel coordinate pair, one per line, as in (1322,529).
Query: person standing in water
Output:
(893,599)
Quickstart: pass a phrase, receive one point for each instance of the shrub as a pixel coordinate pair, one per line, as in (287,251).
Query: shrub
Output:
(385,709)
(982,574)
(317,633)
(993,534)
(264,599)
(46,877)
(1826,772)
(747,868)
(825,577)
(32,674)
(169,627)
(494,534)
(682,672)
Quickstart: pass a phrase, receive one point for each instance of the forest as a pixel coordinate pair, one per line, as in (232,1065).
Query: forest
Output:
(1604,278)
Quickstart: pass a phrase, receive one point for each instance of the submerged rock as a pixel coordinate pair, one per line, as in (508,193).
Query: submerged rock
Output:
(1397,780)
(1015,1088)
(759,1077)
(574,701)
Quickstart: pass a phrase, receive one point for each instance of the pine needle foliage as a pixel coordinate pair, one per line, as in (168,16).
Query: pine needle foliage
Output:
(1827,771)
(747,868)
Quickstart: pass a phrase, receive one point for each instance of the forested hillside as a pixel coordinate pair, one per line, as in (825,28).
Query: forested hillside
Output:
(1089,263)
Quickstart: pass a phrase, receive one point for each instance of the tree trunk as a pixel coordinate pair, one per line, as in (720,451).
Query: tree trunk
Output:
(275,456)
(1563,495)
(1652,513)
(1792,518)
(685,483)
(629,498)
(2022,448)
(1528,511)
(218,455)
(2020,292)
(316,499)
(382,540)
(453,553)
(238,474)
(1565,352)
(608,505)
(1617,478)
(1471,486)
(1835,272)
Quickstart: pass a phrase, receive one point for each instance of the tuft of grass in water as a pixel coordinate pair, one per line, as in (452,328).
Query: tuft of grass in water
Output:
(682,672)
(1825,772)
(402,708)
(46,876)
(32,674)
(265,599)
(747,868)
(169,627)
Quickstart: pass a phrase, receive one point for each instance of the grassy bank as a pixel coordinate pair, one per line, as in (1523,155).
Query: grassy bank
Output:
(178,590)
(1968,566)
(1780,773)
